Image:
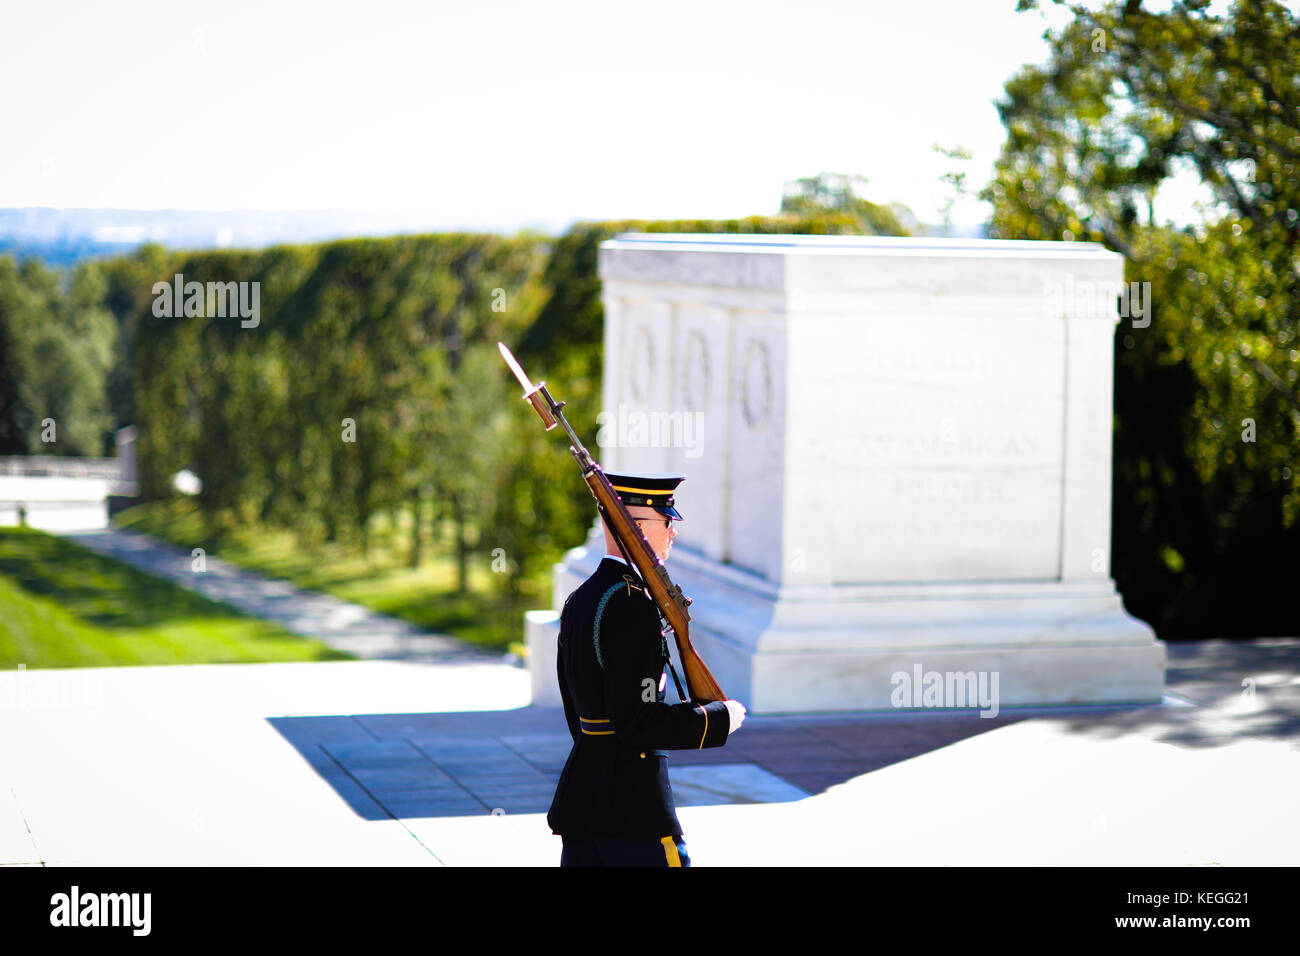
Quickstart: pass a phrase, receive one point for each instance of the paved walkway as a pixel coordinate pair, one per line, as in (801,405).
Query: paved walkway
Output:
(342,625)
(432,755)
(401,763)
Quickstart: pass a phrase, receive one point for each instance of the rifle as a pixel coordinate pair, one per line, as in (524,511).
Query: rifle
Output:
(667,596)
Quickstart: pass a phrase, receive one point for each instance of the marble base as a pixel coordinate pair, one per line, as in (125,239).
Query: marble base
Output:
(541,636)
(807,650)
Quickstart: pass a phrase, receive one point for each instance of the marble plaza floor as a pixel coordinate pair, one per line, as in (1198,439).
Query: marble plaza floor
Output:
(405,763)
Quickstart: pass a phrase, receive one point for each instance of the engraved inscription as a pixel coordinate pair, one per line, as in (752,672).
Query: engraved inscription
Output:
(951,456)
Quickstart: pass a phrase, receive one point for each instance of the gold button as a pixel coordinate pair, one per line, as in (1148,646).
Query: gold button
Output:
(643,756)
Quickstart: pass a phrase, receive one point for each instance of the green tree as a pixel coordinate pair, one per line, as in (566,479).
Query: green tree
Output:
(15,415)
(57,342)
(954,179)
(842,193)
(1207,488)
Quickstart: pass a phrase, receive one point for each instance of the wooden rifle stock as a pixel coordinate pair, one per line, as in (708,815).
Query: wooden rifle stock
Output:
(672,604)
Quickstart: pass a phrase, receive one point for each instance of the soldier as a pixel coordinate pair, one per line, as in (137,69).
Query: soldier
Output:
(614,805)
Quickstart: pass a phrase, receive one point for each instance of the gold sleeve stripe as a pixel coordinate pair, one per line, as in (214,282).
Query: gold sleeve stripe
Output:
(706,728)
(589,726)
(670,851)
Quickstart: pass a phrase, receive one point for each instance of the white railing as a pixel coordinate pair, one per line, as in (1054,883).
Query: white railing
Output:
(59,466)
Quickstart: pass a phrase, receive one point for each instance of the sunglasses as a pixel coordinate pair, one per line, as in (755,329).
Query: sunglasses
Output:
(668,522)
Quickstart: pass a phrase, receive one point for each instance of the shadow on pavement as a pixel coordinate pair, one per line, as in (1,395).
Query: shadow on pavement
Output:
(1237,689)
(468,763)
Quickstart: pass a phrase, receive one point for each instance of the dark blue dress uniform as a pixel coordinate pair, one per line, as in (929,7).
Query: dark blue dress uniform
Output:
(614,804)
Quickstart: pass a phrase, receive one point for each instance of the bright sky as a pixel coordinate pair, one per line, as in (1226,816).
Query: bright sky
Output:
(495,113)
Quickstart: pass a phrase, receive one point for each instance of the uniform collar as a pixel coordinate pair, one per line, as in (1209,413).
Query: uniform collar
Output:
(615,565)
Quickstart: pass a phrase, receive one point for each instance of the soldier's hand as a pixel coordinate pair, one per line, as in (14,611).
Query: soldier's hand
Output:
(736,713)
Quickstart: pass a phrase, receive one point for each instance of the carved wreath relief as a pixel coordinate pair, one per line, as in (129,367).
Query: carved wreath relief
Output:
(641,358)
(756,385)
(695,372)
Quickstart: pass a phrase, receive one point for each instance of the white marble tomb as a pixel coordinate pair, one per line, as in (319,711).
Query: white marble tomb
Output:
(898,460)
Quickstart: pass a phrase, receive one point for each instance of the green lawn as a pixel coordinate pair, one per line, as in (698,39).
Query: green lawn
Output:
(64,606)
(382,580)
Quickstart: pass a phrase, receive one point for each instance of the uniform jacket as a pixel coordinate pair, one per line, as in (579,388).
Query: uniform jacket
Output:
(615,782)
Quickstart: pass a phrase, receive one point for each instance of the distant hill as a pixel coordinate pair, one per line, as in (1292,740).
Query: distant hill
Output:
(63,236)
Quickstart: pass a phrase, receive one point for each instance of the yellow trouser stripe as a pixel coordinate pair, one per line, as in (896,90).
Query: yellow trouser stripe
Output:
(670,851)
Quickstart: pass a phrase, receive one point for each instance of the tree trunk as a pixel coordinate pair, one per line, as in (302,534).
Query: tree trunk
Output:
(462,547)
(417,510)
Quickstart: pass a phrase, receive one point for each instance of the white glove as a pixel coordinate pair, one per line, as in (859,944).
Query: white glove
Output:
(736,713)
